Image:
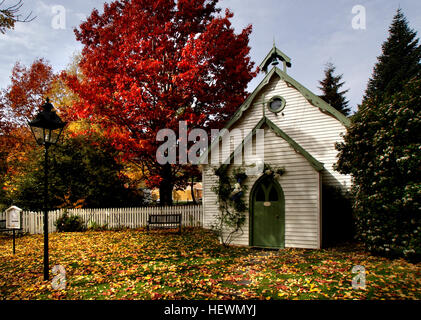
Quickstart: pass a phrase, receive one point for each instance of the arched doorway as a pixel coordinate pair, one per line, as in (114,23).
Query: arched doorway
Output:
(267,216)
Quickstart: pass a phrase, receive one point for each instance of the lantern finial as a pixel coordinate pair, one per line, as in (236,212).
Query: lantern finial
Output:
(47,125)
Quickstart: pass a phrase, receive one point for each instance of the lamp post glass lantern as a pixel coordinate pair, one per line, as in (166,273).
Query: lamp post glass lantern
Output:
(47,125)
(46,128)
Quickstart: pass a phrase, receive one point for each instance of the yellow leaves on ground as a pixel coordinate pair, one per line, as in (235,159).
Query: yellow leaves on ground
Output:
(134,264)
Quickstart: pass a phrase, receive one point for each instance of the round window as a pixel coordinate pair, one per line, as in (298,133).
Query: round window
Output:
(277,104)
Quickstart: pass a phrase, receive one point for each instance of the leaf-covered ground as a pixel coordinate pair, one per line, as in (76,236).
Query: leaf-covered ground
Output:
(133,264)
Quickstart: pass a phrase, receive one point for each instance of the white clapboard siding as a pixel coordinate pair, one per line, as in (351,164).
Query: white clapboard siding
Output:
(32,222)
(300,185)
(316,131)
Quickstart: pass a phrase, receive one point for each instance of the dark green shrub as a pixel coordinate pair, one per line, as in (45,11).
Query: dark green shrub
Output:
(67,223)
(381,151)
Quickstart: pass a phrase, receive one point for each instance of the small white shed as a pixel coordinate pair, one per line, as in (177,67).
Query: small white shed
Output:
(300,132)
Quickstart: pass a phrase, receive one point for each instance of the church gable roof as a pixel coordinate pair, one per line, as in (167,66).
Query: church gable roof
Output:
(318,166)
(312,98)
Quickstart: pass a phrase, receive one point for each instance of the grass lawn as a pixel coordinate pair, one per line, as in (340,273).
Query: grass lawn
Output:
(133,264)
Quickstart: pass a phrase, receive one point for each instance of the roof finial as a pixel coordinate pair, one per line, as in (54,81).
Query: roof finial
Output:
(47,106)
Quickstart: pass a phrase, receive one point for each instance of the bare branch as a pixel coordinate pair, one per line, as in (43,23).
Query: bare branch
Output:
(10,15)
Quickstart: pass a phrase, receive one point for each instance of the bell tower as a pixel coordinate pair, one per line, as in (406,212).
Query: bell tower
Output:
(273,57)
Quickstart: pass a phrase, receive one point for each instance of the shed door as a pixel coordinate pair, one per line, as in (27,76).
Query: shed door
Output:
(268,214)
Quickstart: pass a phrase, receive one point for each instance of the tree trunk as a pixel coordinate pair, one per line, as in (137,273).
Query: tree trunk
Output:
(192,191)
(166,186)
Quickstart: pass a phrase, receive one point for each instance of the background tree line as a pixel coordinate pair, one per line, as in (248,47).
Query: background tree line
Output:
(186,63)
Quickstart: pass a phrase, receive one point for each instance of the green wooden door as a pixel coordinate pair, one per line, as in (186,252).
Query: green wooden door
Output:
(268,214)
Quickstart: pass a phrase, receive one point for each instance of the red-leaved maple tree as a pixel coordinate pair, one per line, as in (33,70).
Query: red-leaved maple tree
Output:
(19,102)
(148,64)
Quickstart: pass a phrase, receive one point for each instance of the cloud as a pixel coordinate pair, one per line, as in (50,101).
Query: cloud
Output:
(310,32)
(36,39)
(315,32)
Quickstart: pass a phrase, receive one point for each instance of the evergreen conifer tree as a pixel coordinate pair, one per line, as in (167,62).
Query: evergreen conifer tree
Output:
(398,63)
(381,149)
(330,87)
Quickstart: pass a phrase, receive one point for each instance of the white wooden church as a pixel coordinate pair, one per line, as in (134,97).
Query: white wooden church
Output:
(300,132)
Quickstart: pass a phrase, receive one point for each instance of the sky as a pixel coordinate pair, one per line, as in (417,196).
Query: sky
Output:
(347,33)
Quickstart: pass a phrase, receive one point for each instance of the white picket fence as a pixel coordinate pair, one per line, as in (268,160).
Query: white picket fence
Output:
(191,216)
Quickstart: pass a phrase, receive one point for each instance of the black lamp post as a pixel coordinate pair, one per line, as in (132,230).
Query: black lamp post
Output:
(46,128)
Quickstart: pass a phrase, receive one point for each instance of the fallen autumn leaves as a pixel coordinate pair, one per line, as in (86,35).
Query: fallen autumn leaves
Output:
(133,264)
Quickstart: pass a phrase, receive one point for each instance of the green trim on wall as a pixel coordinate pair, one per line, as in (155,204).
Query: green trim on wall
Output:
(239,113)
(246,104)
(245,140)
(311,98)
(318,166)
(284,103)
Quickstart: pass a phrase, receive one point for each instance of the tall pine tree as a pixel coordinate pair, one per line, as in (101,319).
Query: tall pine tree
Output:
(330,87)
(398,63)
(381,149)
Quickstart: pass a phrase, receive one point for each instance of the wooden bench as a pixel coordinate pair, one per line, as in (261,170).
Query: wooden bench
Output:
(165,220)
